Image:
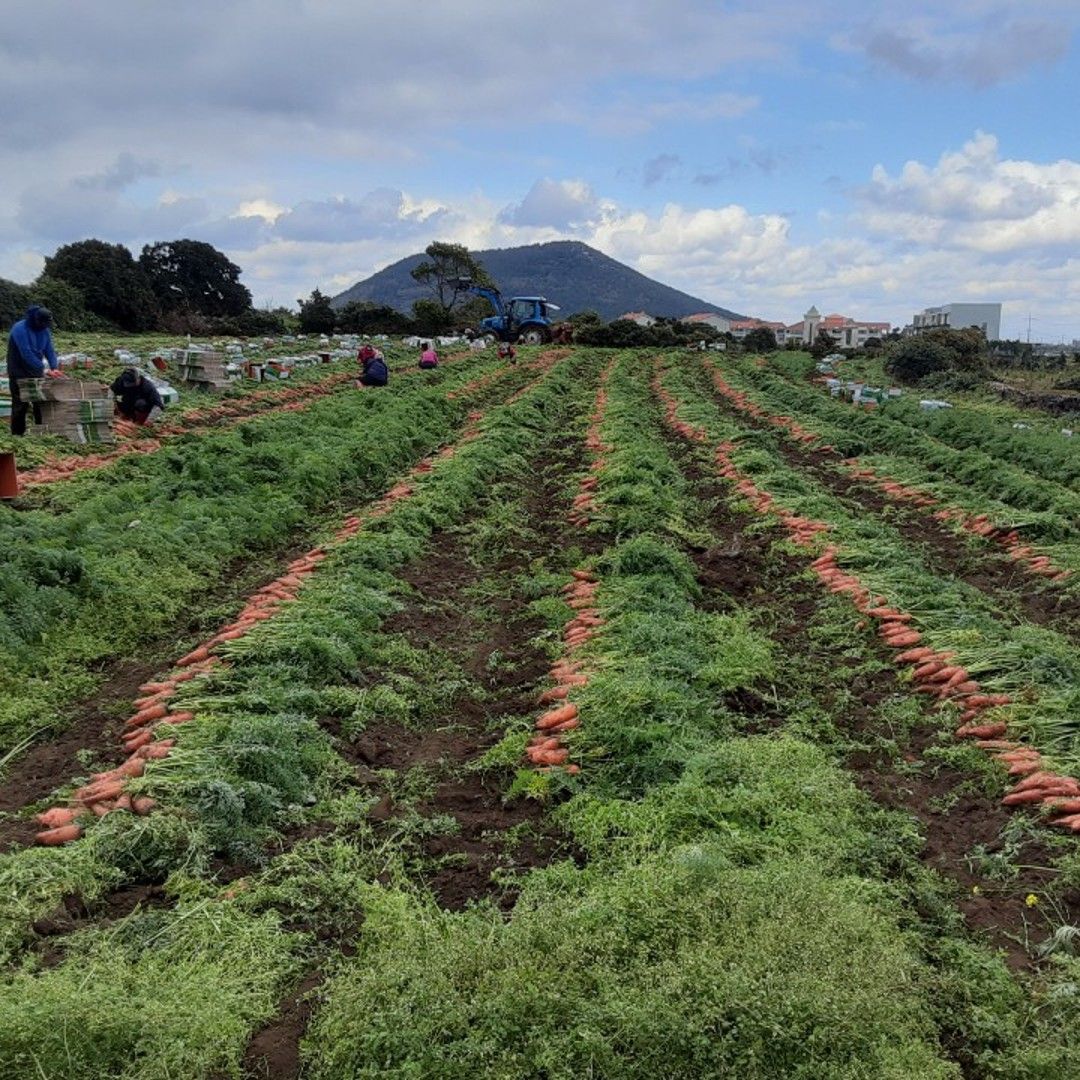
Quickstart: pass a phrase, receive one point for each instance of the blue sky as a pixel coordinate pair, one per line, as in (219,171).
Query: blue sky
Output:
(869,158)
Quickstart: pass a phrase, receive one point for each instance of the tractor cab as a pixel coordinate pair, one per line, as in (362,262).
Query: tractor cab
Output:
(521,318)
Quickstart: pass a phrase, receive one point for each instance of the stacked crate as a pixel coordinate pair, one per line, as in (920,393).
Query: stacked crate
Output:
(202,368)
(79,411)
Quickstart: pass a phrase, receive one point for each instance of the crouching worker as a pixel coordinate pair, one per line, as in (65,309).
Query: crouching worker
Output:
(507,352)
(30,355)
(137,398)
(373,369)
(429,358)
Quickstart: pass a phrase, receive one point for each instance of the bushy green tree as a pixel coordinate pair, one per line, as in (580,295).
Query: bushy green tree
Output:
(430,317)
(67,304)
(761,339)
(365,317)
(114,285)
(442,272)
(316,314)
(189,276)
(912,359)
(14,300)
(823,345)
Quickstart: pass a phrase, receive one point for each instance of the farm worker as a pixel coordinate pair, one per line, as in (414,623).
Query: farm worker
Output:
(137,398)
(30,355)
(429,358)
(375,372)
(507,352)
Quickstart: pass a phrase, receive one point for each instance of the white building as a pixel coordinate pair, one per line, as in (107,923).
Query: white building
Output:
(708,318)
(984,317)
(639,317)
(741,327)
(846,332)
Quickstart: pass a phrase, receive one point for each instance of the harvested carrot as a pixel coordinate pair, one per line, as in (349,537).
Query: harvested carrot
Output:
(201,653)
(583,575)
(1072,822)
(557,716)
(1061,805)
(913,656)
(154,712)
(109,789)
(62,835)
(980,731)
(900,641)
(556,693)
(142,805)
(57,817)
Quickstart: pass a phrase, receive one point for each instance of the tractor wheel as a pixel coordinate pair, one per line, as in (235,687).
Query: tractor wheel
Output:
(533,335)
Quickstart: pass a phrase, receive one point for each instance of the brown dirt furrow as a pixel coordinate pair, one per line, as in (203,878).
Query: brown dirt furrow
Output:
(1003,580)
(456,866)
(93,724)
(746,570)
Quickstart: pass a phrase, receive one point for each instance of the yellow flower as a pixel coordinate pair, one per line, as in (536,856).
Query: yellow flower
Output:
(976,890)
(1031,899)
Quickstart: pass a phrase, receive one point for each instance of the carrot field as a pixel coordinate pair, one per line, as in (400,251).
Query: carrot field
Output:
(609,714)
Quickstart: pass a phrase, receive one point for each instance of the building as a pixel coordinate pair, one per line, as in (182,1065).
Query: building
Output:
(846,332)
(984,317)
(639,317)
(708,318)
(739,328)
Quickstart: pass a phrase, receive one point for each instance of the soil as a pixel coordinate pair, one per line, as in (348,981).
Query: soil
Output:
(993,909)
(94,724)
(457,866)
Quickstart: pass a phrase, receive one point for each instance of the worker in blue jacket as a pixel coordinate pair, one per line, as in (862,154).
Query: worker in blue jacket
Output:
(30,355)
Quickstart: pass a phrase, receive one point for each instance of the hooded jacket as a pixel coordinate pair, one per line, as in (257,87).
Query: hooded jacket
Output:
(30,350)
(135,394)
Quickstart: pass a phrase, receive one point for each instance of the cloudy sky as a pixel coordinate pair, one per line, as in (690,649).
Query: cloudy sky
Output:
(872,158)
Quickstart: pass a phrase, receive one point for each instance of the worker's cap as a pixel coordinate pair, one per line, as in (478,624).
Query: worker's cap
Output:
(39,316)
(366,352)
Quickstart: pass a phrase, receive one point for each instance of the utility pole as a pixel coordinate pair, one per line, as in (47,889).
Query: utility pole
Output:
(1029,328)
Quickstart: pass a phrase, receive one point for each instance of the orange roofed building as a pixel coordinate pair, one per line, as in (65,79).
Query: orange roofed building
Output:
(846,332)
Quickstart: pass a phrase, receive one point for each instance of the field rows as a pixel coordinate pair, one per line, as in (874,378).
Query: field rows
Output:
(538,742)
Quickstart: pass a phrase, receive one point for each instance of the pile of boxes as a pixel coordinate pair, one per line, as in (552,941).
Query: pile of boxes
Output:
(79,411)
(204,368)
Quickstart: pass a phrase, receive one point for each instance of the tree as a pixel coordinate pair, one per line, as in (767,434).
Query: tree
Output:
(760,340)
(66,303)
(189,276)
(938,350)
(442,272)
(365,317)
(111,281)
(430,317)
(822,346)
(316,314)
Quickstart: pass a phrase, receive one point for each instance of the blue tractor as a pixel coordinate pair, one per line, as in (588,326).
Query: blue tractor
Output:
(523,319)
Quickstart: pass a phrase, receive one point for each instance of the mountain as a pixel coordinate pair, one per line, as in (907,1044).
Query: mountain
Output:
(569,273)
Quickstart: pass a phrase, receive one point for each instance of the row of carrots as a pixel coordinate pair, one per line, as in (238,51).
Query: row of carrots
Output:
(979,524)
(143,440)
(147,733)
(934,671)
(546,748)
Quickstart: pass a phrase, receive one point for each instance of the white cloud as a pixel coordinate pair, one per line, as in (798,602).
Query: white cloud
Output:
(974,199)
(554,204)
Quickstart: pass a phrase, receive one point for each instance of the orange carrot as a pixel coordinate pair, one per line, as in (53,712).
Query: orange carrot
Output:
(57,817)
(980,731)
(914,655)
(556,693)
(557,716)
(142,805)
(62,835)
(201,653)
